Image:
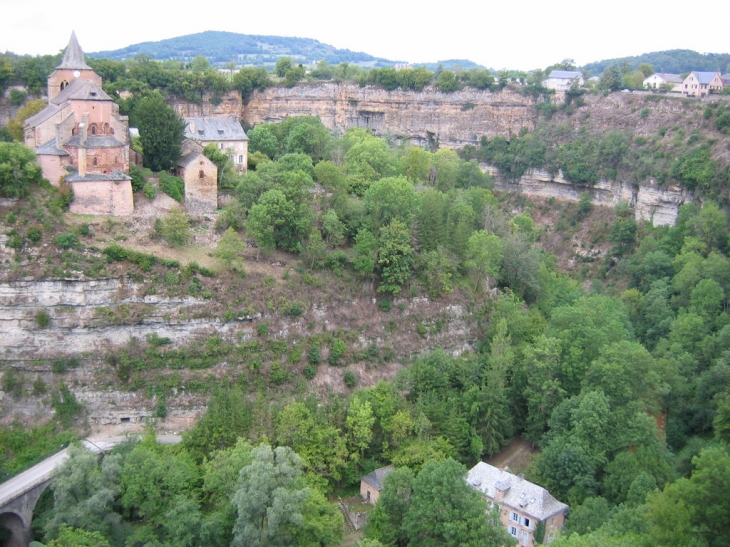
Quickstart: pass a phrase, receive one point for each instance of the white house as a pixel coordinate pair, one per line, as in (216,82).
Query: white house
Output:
(658,81)
(562,80)
(226,133)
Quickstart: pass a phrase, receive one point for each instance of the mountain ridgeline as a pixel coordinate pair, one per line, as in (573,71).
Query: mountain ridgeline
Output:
(673,61)
(245,49)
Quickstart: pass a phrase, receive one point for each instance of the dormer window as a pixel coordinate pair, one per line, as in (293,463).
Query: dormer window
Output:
(93,93)
(201,132)
(220,131)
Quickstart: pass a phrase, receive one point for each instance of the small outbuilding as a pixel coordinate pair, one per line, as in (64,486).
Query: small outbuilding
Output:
(200,176)
(372,483)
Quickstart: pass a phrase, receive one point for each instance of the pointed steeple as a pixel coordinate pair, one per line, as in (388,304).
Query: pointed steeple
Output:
(73,57)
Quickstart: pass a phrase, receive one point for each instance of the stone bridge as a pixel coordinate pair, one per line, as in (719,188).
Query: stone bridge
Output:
(19,495)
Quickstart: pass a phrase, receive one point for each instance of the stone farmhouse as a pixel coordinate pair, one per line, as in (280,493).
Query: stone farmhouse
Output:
(562,80)
(372,483)
(225,133)
(699,84)
(200,176)
(522,505)
(658,80)
(81,138)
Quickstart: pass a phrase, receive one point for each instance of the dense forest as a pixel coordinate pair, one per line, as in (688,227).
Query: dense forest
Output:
(674,61)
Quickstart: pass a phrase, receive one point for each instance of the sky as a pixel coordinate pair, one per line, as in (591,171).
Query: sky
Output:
(521,35)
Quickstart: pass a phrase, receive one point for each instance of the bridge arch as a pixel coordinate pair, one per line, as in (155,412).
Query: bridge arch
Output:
(15,531)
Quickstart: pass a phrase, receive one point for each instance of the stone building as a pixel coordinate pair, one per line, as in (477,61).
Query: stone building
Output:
(372,483)
(200,176)
(81,138)
(226,133)
(523,506)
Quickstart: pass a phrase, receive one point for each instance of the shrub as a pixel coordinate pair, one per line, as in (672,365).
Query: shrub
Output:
(66,406)
(161,409)
(349,378)
(64,363)
(277,374)
(723,122)
(384,304)
(295,356)
(172,186)
(84,230)
(338,349)
(314,355)
(262,329)
(138,179)
(42,318)
(116,253)
(66,240)
(13,383)
(17,96)
(149,191)
(34,234)
(174,228)
(310,371)
(644,113)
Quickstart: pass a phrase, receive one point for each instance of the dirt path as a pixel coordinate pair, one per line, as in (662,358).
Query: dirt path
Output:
(513,455)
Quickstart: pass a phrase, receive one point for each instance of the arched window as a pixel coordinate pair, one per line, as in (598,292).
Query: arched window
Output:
(95,162)
(75,130)
(93,129)
(64,83)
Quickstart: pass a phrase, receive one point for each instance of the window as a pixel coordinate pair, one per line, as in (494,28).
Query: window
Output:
(513,531)
(93,129)
(95,162)
(368,495)
(201,174)
(514,517)
(221,145)
(240,159)
(526,522)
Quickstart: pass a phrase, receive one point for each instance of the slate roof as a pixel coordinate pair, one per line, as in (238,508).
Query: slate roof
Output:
(704,77)
(565,74)
(670,78)
(375,479)
(95,141)
(73,57)
(49,149)
(725,79)
(519,494)
(42,116)
(98,177)
(81,90)
(215,129)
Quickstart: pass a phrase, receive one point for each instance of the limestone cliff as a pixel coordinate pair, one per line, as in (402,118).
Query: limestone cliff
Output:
(660,205)
(451,119)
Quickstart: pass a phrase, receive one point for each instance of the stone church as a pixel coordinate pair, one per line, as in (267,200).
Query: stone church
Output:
(81,138)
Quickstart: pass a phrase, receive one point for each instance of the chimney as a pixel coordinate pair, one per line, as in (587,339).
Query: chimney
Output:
(84,129)
(82,161)
(191,126)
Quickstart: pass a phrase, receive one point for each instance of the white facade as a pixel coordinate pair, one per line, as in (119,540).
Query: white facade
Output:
(562,80)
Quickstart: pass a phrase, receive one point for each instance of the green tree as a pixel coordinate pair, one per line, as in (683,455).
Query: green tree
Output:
(395,256)
(483,256)
(18,169)
(385,522)
(85,494)
(445,510)
(221,160)
(77,537)
(161,131)
(388,199)
(283,65)
(229,247)
(269,498)
(447,82)
(366,253)
(174,227)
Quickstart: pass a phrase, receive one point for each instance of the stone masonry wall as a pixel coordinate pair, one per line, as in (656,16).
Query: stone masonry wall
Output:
(102,198)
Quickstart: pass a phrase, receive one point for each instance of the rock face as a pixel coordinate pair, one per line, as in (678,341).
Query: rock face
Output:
(660,205)
(428,116)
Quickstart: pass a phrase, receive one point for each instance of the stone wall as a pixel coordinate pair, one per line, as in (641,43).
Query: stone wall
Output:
(660,205)
(201,185)
(102,198)
(451,119)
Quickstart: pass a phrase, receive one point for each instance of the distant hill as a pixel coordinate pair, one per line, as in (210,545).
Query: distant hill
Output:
(449,64)
(245,49)
(675,61)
